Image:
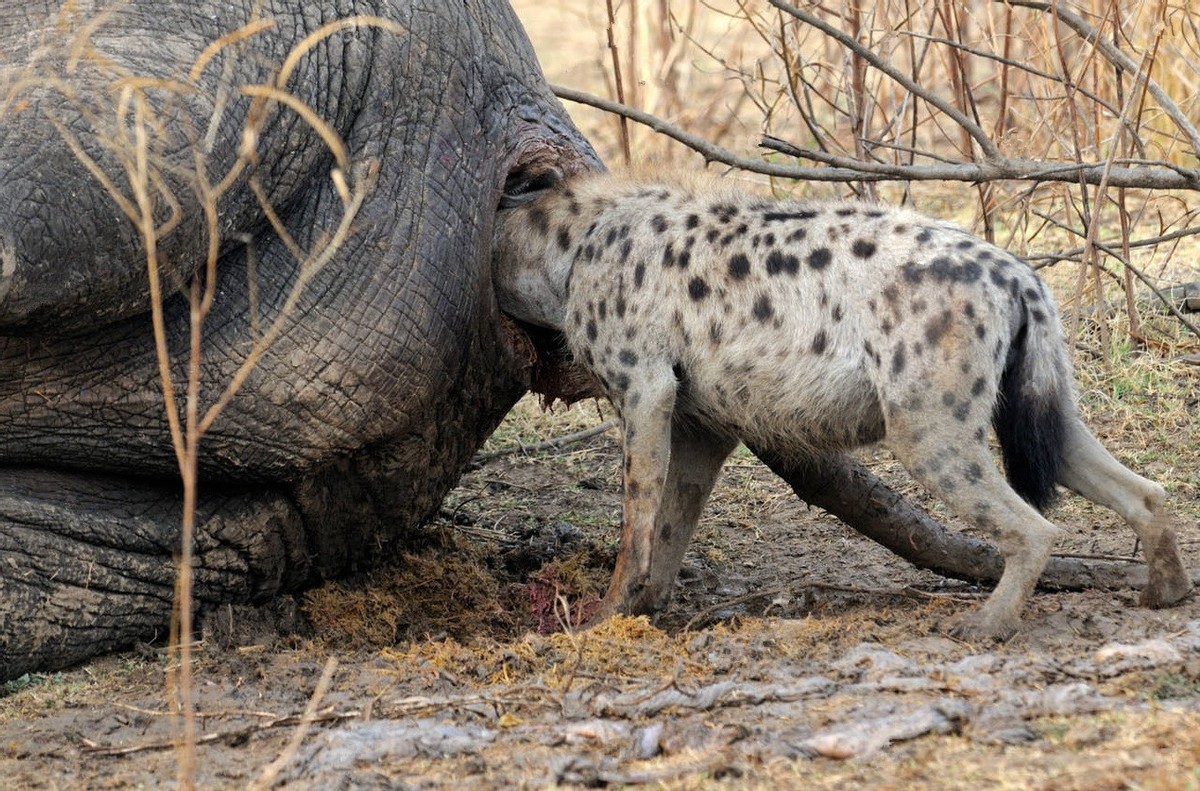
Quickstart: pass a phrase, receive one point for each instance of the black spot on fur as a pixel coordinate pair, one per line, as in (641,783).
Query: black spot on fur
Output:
(978,386)
(626,248)
(659,223)
(639,275)
(962,411)
(692,221)
(620,307)
(946,270)
(974,473)
(684,259)
(948,398)
(1037,316)
(965,244)
(564,239)
(924,236)
(969,310)
(836,313)
(846,212)
(762,308)
(781,216)
(697,289)
(797,235)
(739,266)
(627,357)
(820,258)
(863,248)
(936,328)
(898,360)
(602,309)
(778,262)
(539,220)
(621,382)
(591,330)
(668,259)
(724,212)
(820,342)
(610,238)
(712,234)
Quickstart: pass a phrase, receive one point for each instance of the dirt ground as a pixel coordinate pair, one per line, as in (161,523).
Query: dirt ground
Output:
(796,653)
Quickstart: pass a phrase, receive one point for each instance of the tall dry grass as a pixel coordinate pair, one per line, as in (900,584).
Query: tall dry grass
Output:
(1065,132)
(134,118)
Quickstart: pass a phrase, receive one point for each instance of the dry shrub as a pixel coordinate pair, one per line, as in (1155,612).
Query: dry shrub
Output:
(977,111)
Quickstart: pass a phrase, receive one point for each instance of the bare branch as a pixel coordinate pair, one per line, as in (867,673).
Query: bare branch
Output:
(841,169)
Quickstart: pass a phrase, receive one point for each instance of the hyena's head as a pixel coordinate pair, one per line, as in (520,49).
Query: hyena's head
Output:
(530,267)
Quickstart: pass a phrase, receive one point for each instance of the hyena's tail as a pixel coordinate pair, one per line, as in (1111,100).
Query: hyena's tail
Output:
(1036,402)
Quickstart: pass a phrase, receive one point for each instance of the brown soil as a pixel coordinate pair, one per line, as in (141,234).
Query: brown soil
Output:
(796,654)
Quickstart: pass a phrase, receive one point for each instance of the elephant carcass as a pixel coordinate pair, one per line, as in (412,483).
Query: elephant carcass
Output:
(388,372)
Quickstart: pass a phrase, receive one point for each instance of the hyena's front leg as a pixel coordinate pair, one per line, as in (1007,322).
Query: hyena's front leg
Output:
(696,459)
(644,395)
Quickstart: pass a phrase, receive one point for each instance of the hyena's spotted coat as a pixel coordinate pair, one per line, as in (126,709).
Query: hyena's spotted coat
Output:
(807,328)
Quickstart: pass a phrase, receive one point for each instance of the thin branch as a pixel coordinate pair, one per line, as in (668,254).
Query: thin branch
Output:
(271,773)
(842,169)
(549,444)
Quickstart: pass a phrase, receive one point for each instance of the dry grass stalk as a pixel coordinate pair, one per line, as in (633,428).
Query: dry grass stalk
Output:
(136,139)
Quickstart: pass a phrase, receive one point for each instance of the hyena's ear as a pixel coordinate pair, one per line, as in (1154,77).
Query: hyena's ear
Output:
(525,186)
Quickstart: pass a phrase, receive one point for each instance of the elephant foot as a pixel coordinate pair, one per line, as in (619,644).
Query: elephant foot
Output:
(87,562)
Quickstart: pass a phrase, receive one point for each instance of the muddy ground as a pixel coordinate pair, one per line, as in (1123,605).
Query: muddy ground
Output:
(796,654)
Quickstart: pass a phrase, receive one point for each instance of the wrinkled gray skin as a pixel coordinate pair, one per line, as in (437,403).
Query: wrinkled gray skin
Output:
(390,372)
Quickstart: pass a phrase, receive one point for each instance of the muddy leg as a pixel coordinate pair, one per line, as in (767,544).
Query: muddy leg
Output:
(1092,472)
(646,406)
(696,459)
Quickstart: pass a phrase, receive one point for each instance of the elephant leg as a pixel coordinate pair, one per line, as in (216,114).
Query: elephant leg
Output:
(87,562)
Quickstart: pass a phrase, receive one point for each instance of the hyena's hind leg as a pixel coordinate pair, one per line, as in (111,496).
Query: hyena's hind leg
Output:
(951,458)
(1090,471)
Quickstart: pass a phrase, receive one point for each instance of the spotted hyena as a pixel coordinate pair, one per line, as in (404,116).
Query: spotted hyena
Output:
(807,328)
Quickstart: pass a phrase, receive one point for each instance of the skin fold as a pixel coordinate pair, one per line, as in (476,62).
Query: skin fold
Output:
(388,372)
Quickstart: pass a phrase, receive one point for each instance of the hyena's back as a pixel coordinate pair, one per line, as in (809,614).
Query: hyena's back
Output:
(796,325)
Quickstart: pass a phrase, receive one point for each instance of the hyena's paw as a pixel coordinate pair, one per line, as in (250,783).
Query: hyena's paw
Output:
(978,627)
(1165,588)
